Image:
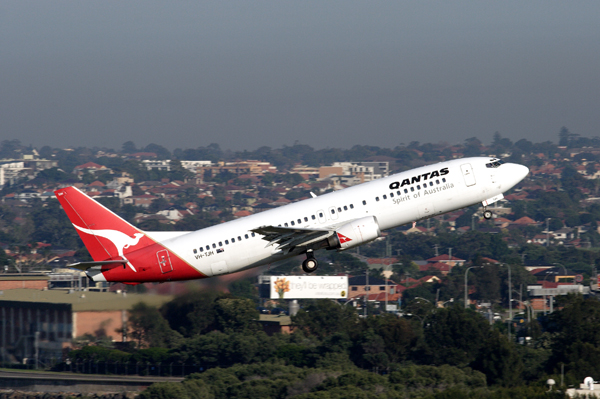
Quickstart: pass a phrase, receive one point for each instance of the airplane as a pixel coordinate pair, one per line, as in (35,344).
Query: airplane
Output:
(338,220)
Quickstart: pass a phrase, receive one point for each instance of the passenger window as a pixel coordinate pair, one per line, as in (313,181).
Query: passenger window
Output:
(418,186)
(405,191)
(398,193)
(252,234)
(332,211)
(339,209)
(364,202)
(412,189)
(292,223)
(214,245)
(232,240)
(220,243)
(384,196)
(208,247)
(299,221)
(246,236)
(226,242)
(376,198)
(201,249)
(351,206)
(437,182)
(239,238)
(285,224)
(430,184)
(391,195)
(195,251)
(313,217)
(345,208)
(305,219)
(320,214)
(444,179)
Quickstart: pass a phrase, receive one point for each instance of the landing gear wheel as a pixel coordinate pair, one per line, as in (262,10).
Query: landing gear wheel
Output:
(487,214)
(310,264)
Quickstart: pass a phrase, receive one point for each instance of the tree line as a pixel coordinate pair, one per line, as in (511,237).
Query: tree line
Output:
(332,351)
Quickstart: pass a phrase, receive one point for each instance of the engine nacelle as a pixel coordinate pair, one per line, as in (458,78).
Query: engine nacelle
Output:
(355,233)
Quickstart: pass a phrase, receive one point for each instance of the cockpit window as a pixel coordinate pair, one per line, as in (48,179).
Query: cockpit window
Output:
(494,163)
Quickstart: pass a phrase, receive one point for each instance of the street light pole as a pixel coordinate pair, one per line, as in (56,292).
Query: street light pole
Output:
(509,293)
(466,287)
(368,288)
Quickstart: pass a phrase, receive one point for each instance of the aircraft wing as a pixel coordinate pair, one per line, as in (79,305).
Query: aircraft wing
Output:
(288,238)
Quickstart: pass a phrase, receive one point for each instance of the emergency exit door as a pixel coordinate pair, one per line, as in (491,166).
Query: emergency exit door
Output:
(164,261)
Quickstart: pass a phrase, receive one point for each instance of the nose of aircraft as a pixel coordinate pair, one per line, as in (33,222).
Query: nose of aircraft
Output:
(516,173)
(522,171)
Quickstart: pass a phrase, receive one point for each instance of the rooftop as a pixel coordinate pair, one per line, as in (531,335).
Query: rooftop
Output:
(83,300)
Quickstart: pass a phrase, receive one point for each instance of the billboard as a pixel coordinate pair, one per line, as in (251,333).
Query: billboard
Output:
(309,287)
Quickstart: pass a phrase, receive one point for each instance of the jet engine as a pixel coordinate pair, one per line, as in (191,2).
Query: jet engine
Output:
(355,233)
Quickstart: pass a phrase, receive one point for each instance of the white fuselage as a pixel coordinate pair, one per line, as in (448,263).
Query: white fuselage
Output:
(231,246)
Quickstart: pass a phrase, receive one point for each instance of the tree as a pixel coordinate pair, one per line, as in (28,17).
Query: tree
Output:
(128,147)
(324,317)
(396,333)
(499,361)
(191,313)
(487,282)
(454,336)
(243,289)
(149,328)
(166,390)
(4,259)
(160,151)
(565,137)
(232,314)
(577,342)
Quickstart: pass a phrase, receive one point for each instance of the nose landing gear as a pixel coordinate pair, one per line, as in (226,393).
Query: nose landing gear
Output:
(487,214)
(310,264)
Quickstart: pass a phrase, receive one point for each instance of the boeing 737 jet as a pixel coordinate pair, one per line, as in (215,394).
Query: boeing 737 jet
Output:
(335,221)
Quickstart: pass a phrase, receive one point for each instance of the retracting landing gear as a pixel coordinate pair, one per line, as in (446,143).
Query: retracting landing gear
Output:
(487,214)
(310,264)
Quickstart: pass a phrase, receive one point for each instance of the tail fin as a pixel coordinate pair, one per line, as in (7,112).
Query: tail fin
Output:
(105,235)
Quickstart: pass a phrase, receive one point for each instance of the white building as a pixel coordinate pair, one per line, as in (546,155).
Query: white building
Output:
(11,171)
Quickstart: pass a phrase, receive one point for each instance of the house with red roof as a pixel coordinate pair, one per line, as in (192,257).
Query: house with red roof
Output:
(443,268)
(90,167)
(241,214)
(525,221)
(445,258)
(97,184)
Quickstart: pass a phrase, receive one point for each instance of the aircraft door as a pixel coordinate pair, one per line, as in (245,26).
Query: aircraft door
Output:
(321,216)
(333,213)
(164,261)
(218,268)
(468,174)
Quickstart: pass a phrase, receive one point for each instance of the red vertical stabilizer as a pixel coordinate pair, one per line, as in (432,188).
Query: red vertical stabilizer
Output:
(105,235)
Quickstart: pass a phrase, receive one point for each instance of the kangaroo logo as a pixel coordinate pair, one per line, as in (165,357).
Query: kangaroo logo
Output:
(120,240)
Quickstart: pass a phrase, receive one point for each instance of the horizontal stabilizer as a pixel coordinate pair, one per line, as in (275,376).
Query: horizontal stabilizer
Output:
(86,265)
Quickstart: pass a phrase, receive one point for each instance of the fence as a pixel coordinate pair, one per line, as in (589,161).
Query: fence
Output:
(141,368)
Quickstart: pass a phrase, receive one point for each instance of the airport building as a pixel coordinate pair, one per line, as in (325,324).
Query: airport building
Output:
(44,322)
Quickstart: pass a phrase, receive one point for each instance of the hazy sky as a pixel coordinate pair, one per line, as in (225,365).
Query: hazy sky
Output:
(324,73)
